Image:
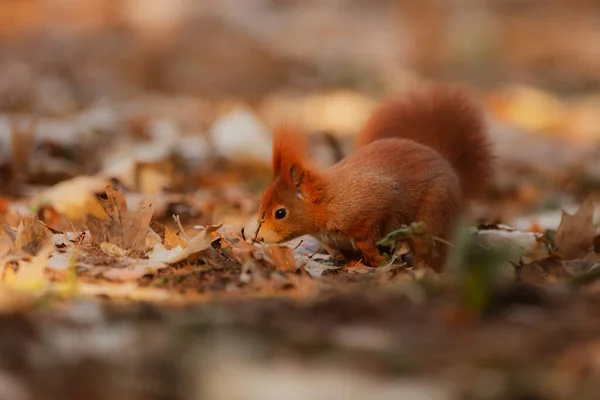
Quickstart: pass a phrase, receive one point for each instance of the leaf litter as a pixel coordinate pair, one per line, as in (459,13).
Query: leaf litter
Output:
(575,235)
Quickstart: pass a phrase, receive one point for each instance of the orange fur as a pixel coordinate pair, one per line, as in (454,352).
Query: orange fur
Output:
(441,117)
(288,147)
(418,159)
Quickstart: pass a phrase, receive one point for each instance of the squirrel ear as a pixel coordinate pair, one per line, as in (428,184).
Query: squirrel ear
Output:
(297,176)
(304,182)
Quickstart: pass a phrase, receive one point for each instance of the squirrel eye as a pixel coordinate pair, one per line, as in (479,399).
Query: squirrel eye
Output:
(280,213)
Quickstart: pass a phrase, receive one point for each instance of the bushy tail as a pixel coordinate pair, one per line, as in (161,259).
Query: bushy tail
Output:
(444,118)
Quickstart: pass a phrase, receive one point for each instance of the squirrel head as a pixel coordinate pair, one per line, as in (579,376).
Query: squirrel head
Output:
(291,205)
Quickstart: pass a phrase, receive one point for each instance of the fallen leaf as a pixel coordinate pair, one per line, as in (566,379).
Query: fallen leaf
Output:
(30,275)
(240,251)
(75,197)
(528,246)
(169,238)
(543,271)
(115,203)
(315,268)
(575,234)
(31,236)
(59,261)
(112,250)
(122,228)
(195,245)
(283,258)
(305,245)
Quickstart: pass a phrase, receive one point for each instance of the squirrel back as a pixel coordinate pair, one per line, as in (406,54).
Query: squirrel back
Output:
(443,118)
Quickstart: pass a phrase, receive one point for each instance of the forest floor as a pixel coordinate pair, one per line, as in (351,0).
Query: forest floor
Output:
(126,274)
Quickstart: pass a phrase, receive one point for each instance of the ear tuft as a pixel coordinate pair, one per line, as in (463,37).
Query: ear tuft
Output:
(291,165)
(288,147)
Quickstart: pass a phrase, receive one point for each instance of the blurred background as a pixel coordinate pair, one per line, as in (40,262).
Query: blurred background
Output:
(221,48)
(139,90)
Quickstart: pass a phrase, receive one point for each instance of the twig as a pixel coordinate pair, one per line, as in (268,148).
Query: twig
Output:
(444,241)
(318,250)
(178,222)
(260,222)
(298,245)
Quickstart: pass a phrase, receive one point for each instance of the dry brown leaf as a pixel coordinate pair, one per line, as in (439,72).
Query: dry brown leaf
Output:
(240,250)
(31,236)
(112,250)
(173,240)
(115,203)
(169,238)
(575,234)
(74,198)
(283,258)
(547,270)
(122,228)
(197,244)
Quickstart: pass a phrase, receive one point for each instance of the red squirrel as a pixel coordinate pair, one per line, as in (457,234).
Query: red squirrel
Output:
(419,158)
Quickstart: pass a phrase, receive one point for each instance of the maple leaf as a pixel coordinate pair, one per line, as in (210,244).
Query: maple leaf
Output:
(168,238)
(31,236)
(122,228)
(575,234)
